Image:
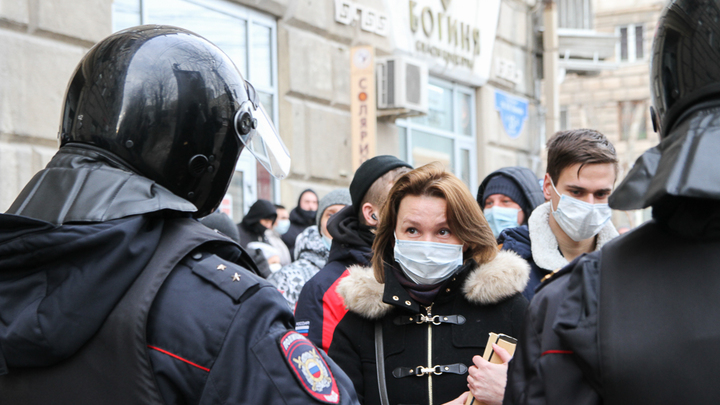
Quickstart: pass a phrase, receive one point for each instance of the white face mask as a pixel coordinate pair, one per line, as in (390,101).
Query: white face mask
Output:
(275,267)
(428,262)
(580,220)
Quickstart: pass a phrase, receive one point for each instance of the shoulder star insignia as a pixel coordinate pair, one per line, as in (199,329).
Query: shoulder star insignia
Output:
(236,277)
(221,267)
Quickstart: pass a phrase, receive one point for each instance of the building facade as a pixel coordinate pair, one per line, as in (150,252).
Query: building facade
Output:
(615,98)
(482,87)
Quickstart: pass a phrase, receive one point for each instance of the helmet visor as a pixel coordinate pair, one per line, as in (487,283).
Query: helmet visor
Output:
(264,142)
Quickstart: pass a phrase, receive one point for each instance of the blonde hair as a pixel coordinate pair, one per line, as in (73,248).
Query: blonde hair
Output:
(464,217)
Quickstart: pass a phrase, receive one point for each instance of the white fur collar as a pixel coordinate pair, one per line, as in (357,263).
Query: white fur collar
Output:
(489,283)
(544,245)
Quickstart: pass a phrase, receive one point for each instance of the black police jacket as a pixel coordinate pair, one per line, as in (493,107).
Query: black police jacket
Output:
(631,323)
(215,332)
(448,333)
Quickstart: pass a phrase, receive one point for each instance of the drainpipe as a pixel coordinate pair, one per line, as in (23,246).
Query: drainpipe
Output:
(550,68)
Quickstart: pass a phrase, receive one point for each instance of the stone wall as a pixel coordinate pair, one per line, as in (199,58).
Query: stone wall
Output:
(41,42)
(516,41)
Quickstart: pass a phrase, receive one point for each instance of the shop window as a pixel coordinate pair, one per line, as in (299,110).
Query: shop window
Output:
(446,134)
(631,43)
(239,32)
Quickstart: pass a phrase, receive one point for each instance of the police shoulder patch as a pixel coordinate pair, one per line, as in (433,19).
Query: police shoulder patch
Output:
(309,367)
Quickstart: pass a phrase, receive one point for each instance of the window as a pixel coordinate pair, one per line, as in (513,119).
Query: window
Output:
(576,14)
(631,45)
(239,32)
(564,118)
(446,134)
(633,120)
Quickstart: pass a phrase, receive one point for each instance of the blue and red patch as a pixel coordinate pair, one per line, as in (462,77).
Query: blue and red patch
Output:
(309,367)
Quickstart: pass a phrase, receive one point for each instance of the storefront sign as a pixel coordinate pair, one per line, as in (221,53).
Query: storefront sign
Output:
(362,104)
(455,37)
(371,20)
(513,112)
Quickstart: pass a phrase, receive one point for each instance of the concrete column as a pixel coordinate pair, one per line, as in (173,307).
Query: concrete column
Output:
(550,68)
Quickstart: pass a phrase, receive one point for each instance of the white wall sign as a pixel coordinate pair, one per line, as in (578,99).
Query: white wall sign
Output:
(371,20)
(506,69)
(454,37)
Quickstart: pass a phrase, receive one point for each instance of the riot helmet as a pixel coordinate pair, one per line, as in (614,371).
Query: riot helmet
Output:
(174,108)
(685,68)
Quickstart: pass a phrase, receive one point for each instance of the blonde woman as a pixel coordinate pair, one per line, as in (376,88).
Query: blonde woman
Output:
(437,287)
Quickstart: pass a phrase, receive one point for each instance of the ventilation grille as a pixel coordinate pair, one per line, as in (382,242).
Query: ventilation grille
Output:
(390,82)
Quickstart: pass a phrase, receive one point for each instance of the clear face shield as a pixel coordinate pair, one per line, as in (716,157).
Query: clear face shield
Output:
(258,134)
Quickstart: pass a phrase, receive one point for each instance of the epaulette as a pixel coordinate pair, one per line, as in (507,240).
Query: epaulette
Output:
(232,279)
(554,275)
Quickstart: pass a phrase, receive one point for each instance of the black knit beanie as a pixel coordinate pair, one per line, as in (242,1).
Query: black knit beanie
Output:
(368,172)
(503,185)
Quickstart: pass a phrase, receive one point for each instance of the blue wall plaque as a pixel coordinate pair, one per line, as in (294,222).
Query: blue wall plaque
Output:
(513,112)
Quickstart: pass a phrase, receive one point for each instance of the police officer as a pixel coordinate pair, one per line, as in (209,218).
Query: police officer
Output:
(109,291)
(636,322)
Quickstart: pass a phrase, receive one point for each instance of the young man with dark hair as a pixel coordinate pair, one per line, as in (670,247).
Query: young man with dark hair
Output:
(319,308)
(581,171)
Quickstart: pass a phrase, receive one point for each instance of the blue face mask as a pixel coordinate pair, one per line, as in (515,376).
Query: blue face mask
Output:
(283,226)
(500,218)
(327,242)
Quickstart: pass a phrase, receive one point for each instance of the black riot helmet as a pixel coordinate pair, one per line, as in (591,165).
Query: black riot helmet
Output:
(174,108)
(685,60)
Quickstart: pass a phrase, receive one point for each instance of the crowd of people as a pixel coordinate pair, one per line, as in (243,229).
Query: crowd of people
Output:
(381,293)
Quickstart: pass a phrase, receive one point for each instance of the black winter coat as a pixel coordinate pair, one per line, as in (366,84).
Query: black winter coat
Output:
(483,307)
(632,323)
(319,307)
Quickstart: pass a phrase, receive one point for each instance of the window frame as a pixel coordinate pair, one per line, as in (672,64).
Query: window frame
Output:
(461,141)
(632,50)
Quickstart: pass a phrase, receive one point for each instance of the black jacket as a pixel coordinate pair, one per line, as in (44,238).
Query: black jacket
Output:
(319,308)
(631,323)
(474,306)
(214,330)
(299,221)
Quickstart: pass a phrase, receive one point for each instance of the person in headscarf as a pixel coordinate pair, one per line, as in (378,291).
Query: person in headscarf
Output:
(301,217)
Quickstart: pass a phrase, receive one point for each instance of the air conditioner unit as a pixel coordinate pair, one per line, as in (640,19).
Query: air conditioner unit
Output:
(401,85)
